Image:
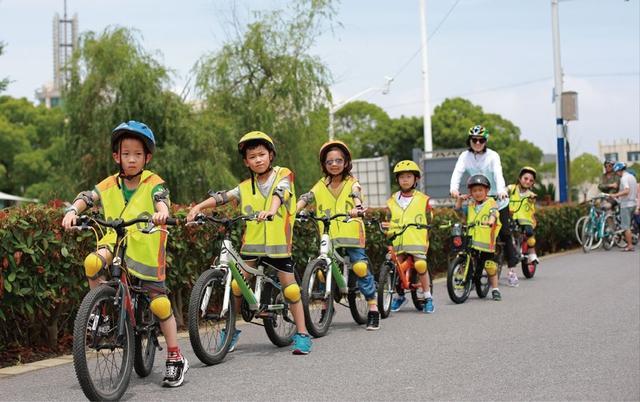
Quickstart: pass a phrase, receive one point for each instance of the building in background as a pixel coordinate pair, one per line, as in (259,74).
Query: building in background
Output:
(626,151)
(65,41)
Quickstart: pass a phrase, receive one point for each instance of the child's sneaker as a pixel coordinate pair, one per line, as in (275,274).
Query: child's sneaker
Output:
(533,258)
(513,279)
(398,302)
(234,339)
(428,306)
(495,293)
(373,321)
(175,371)
(301,344)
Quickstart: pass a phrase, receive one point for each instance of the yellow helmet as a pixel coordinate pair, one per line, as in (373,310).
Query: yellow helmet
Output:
(407,166)
(258,136)
(324,149)
(528,169)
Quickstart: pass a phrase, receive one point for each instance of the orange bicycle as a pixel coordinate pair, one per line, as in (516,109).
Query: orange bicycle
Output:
(396,276)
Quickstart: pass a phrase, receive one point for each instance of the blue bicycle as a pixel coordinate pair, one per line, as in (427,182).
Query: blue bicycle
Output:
(599,227)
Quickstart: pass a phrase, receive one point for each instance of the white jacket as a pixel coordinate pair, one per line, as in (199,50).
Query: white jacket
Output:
(486,163)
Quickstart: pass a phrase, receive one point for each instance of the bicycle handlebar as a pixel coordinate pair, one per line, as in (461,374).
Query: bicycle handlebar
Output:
(85,221)
(325,218)
(200,219)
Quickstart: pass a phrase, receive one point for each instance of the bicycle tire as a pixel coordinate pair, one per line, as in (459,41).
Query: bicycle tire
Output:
(578,228)
(609,232)
(313,296)
(358,305)
(457,281)
(279,329)
(587,236)
(116,356)
(417,302)
(206,341)
(385,289)
(146,328)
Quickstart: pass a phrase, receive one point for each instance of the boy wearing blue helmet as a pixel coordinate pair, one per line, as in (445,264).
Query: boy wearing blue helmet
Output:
(627,198)
(128,194)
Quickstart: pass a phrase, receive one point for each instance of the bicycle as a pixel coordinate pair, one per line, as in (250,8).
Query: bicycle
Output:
(396,276)
(212,315)
(520,244)
(599,228)
(464,270)
(114,328)
(324,282)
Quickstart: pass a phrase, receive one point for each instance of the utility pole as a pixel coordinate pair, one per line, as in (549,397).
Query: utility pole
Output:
(428,141)
(561,188)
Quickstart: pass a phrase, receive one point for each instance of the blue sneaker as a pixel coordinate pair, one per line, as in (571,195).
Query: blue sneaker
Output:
(301,344)
(428,306)
(398,302)
(234,339)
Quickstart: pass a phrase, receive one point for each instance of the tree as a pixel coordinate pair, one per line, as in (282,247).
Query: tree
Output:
(360,124)
(264,79)
(4,82)
(585,171)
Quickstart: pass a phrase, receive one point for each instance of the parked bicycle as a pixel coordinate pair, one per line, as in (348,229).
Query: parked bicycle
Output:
(599,228)
(395,276)
(212,314)
(114,330)
(324,282)
(464,271)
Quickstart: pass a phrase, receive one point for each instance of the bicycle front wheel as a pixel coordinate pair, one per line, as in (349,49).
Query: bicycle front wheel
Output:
(587,235)
(358,305)
(280,326)
(609,238)
(578,229)
(385,289)
(146,331)
(102,350)
(209,325)
(458,279)
(316,302)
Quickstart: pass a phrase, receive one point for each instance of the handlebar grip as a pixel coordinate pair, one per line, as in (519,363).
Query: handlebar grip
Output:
(173,221)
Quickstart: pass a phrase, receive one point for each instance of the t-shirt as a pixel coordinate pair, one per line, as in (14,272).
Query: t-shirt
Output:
(627,181)
(284,184)
(128,193)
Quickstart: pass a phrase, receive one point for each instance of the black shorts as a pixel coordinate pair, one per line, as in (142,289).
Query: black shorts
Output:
(281,264)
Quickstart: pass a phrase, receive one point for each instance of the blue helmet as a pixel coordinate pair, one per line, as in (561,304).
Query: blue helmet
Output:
(136,129)
(619,166)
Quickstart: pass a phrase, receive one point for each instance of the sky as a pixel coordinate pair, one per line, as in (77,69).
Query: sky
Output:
(496,53)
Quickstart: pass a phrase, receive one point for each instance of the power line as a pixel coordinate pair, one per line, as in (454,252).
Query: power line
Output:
(413,56)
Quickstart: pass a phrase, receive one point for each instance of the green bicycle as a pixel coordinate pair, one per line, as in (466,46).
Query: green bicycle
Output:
(212,308)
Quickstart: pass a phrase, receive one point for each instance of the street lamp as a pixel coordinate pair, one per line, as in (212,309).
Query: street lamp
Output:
(337,106)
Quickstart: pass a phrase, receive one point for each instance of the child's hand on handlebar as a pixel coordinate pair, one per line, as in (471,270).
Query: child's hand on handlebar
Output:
(69,220)
(356,212)
(263,216)
(160,218)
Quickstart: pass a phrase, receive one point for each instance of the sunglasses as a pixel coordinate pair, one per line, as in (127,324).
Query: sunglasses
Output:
(337,162)
(478,140)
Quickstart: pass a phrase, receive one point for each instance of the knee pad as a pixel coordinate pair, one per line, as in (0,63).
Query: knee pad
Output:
(93,264)
(360,269)
(320,276)
(531,241)
(292,293)
(161,307)
(420,266)
(491,267)
(235,288)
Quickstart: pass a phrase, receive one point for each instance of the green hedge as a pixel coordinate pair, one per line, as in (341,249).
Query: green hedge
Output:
(42,280)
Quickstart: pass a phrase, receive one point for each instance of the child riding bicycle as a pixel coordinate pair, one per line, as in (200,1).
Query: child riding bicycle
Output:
(411,206)
(483,215)
(338,192)
(131,193)
(269,193)
(522,207)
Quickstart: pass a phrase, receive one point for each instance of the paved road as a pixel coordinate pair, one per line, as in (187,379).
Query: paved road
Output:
(571,333)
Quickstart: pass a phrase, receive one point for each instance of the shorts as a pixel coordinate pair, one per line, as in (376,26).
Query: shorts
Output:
(154,288)
(355,254)
(625,217)
(415,256)
(280,264)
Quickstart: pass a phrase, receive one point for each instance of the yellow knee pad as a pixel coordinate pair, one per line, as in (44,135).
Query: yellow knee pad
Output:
(292,293)
(360,269)
(93,264)
(235,288)
(491,267)
(320,276)
(420,266)
(161,307)
(531,241)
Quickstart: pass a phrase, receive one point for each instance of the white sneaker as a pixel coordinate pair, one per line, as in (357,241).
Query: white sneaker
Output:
(533,258)
(513,279)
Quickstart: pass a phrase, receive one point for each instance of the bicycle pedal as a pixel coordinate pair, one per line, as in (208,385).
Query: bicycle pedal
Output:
(275,307)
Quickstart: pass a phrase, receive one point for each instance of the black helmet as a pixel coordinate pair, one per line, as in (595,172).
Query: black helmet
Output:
(478,179)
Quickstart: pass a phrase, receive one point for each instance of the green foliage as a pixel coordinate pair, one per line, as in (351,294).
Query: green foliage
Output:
(360,125)
(42,280)
(585,171)
(4,82)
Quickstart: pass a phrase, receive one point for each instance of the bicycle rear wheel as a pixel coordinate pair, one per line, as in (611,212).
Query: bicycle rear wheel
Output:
(208,324)
(102,358)
(146,331)
(280,326)
(385,289)
(458,279)
(316,303)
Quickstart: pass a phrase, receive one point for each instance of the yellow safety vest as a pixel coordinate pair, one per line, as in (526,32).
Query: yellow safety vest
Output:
(526,211)
(145,255)
(413,240)
(350,235)
(269,238)
(483,237)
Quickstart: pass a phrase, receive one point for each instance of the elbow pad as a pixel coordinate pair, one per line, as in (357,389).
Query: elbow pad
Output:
(283,194)
(356,194)
(162,196)
(221,197)
(86,196)
(307,198)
